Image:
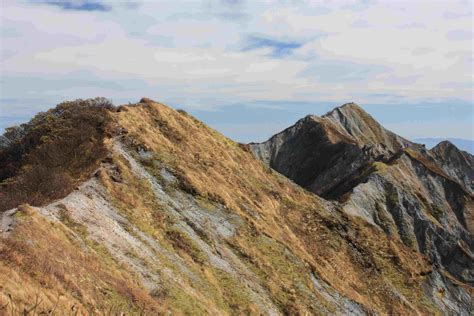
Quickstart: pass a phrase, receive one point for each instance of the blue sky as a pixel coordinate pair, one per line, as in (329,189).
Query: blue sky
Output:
(247,68)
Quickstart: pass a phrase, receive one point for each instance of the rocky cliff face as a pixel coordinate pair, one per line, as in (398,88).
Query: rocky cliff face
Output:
(420,197)
(149,211)
(456,163)
(327,154)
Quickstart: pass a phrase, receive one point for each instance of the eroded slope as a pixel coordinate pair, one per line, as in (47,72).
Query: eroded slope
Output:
(328,154)
(177,218)
(456,163)
(419,197)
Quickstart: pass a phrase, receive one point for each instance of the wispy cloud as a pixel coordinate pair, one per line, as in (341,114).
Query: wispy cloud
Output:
(77,5)
(279,48)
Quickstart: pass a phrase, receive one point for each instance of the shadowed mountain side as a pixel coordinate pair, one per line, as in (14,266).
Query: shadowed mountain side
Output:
(456,163)
(321,153)
(422,197)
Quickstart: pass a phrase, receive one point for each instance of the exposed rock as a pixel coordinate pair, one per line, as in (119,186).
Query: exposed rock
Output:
(4,142)
(456,163)
(12,135)
(7,221)
(329,154)
(424,198)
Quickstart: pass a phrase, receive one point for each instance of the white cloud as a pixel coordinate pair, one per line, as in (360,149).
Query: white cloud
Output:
(414,50)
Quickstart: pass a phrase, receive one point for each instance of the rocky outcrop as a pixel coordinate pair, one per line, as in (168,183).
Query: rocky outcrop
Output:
(4,142)
(421,197)
(329,155)
(11,135)
(456,163)
(429,213)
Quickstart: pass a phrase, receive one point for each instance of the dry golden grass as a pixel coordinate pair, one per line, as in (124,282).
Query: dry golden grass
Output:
(356,259)
(43,264)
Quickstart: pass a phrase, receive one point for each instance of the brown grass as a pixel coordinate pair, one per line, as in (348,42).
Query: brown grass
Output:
(357,260)
(41,262)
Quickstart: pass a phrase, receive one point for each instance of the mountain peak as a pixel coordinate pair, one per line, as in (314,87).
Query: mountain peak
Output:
(446,148)
(359,124)
(445,145)
(348,124)
(455,162)
(307,151)
(347,108)
(351,111)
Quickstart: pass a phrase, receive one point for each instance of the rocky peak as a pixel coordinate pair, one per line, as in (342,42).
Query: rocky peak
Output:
(456,163)
(322,153)
(416,195)
(347,109)
(364,128)
(445,149)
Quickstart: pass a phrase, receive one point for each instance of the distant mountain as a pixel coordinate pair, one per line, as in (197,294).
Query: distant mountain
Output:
(463,144)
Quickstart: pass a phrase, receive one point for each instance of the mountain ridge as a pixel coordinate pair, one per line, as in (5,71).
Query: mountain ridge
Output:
(360,175)
(463,144)
(173,217)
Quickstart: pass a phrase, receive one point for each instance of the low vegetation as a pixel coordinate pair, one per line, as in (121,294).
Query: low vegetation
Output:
(52,153)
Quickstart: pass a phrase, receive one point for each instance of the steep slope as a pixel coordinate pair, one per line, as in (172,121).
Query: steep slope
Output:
(176,218)
(421,198)
(352,119)
(456,163)
(328,154)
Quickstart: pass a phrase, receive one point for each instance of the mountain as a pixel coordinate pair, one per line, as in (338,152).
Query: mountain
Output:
(456,163)
(423,198)
(142,209)
(462,144)
(324,154)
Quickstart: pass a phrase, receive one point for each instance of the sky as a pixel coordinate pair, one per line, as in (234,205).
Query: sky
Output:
(246,68)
